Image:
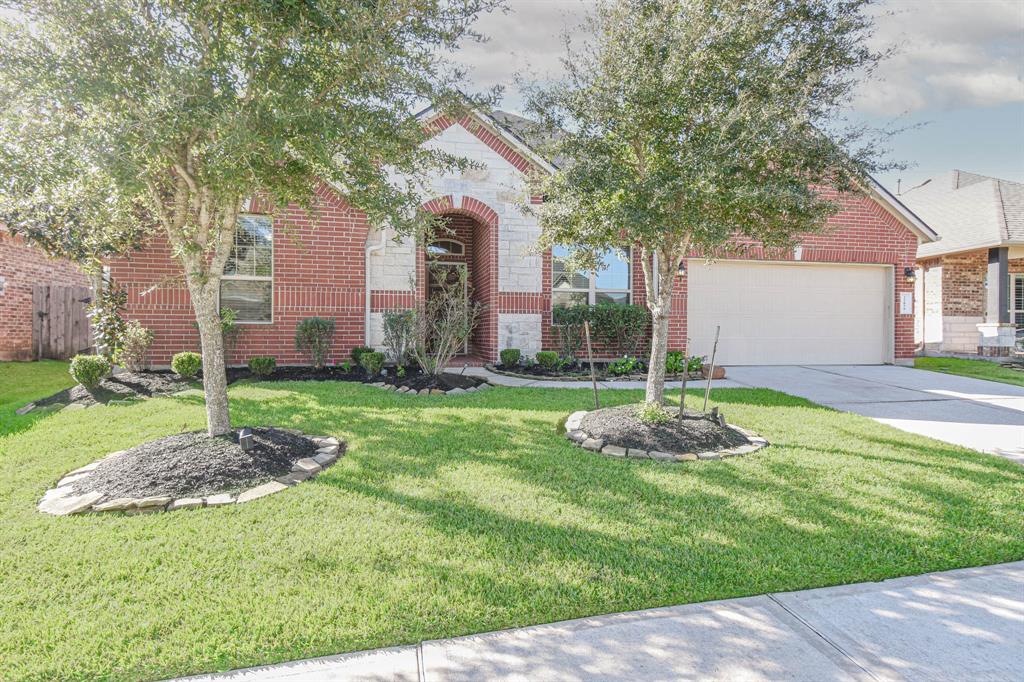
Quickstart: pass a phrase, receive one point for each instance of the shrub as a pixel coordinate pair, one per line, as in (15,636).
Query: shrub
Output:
(89,370)
(695,363)
(652,413)
(443,324)
(510,357)
(314,335)
(372,362)
(623,366)
(262,365)
(346,367)
(187,364)
(548,359)
(569,323)
(108,326)
(357,352)
(675,362)
(621,327)
(398,325)
(135,344)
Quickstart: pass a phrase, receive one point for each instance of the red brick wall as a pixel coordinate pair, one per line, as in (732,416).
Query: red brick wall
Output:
(963,281)
(21,267)
(319,264)
(862,232)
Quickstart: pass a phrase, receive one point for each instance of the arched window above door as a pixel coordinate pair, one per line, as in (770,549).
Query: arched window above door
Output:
(446,247)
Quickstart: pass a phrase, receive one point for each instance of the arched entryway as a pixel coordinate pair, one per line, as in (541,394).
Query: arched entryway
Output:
(467,239)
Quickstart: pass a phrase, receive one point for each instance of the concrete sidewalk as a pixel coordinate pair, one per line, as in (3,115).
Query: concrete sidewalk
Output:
(983,415)
(966,624)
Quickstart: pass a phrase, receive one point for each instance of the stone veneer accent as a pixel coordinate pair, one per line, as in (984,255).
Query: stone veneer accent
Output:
(60,501)
(574,433)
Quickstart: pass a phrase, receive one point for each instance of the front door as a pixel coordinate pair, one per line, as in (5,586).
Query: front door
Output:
(450,273)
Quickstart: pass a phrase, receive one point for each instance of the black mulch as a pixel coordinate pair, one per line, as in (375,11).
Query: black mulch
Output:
(293,373)
(620,426)
(195,464)
(126,386)
(443,382)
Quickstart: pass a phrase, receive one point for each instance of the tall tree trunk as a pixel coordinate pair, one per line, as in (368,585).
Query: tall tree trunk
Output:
(659,302)
(215,383)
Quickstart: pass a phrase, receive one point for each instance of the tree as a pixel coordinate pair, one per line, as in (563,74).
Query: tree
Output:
(182,110)
(691,122)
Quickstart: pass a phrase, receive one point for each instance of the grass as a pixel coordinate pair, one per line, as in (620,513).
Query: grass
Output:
(976,369)
(453,516)
(23,382)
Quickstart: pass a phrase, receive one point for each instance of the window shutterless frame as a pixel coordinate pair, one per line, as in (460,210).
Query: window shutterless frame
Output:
(253,277)
(592,290)
(1017,299)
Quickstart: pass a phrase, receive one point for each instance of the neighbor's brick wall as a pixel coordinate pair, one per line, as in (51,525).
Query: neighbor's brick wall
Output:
(318,271)
(22,266)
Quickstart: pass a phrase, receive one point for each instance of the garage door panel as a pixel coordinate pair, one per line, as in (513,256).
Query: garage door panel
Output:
(788,314)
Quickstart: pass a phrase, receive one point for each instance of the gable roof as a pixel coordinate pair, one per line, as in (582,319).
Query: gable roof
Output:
(969,211)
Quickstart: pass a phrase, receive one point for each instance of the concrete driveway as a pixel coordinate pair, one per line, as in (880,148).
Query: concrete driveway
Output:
(983,415)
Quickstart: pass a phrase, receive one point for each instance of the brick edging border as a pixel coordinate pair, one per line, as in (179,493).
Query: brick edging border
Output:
(405,390)
(574,433)
(60,502)
(692,376)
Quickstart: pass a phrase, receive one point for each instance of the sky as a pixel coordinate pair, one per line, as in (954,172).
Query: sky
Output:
(957,79)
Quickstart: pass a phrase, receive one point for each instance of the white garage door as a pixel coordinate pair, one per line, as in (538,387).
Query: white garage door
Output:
(798,314)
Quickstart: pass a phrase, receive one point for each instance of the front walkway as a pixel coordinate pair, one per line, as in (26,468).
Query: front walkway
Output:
(957,625)
(978,414)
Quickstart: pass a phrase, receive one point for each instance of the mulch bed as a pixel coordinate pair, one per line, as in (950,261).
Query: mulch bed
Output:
(442,382)
(194,464)
(697,432)
(293,373)
(125,386)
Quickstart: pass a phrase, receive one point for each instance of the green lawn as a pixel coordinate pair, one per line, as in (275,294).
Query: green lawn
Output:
(976,369)
(459,515)
(23,382)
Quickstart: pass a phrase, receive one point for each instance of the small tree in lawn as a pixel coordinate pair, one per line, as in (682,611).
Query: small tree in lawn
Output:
(170,115)
(689,122)
(442,324)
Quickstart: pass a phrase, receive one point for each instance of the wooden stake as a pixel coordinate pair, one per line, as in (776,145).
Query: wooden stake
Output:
(711,373)
(590,356)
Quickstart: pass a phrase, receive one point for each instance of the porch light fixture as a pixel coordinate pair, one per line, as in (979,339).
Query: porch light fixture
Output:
(909,275)
(682,267)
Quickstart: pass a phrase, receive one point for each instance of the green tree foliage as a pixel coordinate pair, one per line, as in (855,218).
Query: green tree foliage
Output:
(166,116)
(688,122)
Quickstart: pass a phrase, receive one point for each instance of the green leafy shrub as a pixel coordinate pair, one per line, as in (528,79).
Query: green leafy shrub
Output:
(652,413)
(262,365)
(187,364)
(620,327)
(357,352)
(314,335)
(89,370)
(398,334)
(346,367)
(623,366)
(372,362)
(105,318)
(695,363)
(548,359)
(510,357)
(135,343)
(675,362)
(568,321)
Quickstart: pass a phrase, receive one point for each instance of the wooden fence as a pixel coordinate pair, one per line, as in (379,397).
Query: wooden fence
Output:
(60,326)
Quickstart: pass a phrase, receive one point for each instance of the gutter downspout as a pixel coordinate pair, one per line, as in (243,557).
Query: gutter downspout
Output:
(366,269)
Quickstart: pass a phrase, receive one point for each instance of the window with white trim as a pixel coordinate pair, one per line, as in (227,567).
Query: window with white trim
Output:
(607,285)
(247,286)
(1017,299)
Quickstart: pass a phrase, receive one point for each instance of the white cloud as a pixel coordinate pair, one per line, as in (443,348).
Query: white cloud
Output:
(953,53)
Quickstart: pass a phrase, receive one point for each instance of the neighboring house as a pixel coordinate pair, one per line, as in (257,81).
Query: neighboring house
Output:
(970,288)
(23,266)
(842,296)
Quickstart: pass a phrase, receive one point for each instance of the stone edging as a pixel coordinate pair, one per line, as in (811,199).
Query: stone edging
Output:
(574,433)
(405,390)
(692,376)
(60,502)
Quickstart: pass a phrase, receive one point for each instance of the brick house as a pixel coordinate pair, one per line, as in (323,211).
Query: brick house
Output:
(842,296)
(970,285)
(23,266)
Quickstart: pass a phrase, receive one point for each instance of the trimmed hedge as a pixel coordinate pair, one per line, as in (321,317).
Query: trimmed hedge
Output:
(262,365)
(372,362)
(187,364)
(89,370)
(510,357)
